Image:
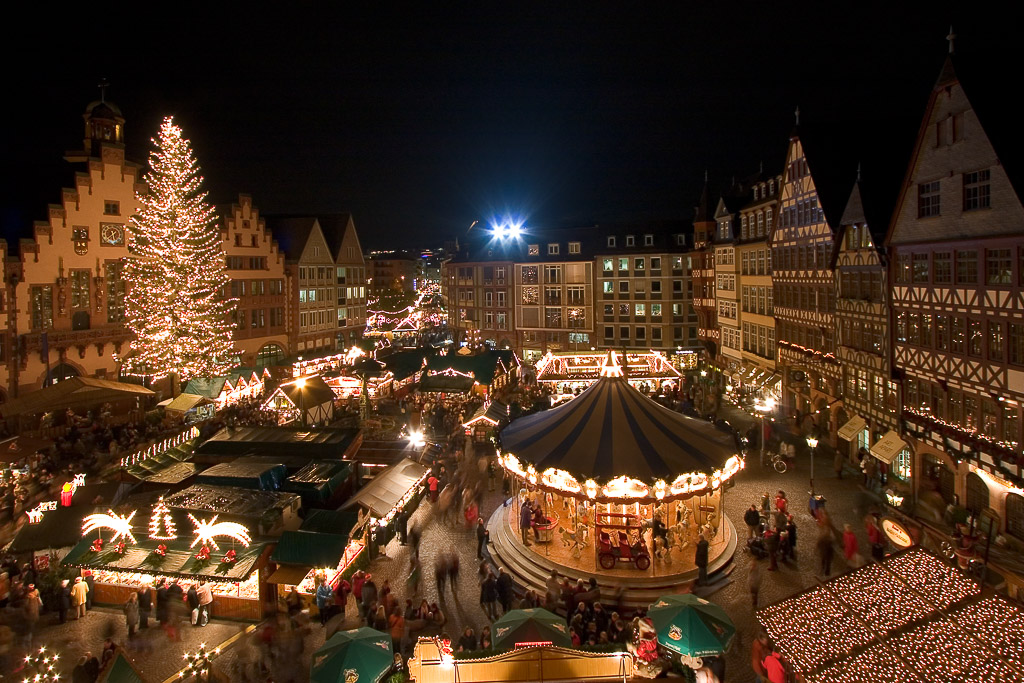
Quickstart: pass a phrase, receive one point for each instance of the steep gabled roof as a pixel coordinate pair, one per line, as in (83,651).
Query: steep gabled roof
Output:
(292,233)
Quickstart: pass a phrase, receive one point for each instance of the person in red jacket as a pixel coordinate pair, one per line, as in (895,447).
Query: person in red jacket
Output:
(774,667)
(850,546)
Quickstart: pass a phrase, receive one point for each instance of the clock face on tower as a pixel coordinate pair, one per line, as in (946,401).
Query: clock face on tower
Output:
(112,234)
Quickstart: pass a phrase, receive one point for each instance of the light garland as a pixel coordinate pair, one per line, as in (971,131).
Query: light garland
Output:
(121,525)
(961,430)
(176,271)
(199,663)
(206,532)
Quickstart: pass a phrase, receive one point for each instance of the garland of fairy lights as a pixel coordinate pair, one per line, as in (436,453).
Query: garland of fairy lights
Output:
(176,270)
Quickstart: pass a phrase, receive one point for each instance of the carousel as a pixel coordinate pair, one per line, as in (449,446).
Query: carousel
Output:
(619,487)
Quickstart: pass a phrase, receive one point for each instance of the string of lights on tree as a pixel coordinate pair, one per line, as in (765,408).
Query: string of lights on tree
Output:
(199,663)
(176,271)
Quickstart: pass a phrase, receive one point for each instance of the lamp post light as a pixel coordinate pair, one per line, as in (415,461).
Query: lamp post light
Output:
(763,408)
(812,443)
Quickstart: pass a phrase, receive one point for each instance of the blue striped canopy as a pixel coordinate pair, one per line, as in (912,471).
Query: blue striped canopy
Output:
(610,430)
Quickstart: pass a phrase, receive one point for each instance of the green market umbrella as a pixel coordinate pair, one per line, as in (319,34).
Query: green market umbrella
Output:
(691,626)
(362,655)
(530,626)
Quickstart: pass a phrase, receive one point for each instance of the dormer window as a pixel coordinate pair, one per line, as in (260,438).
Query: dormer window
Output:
(648,240)
(611,241)
(771,187)
(681,240)
(630,241)
(552,250)
(574,247)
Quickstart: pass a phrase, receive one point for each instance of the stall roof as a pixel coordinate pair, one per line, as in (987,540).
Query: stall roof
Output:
(74,393)
(266,476)
(120,670)
(492,411)
(170,474)
(186,402)
(448,384)
(402,364)
(321,472)
(179,560)
(310,549)
(229,500)
(289,574)
(60,528)
(314,391)
(387,488)
(330,521)
(15,448)
(482,366)
(324,442)
(211,387)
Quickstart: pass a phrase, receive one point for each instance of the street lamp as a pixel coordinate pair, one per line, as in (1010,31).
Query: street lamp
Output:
(812,443)
(763,408)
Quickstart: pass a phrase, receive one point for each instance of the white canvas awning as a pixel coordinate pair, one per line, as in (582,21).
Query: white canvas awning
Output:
(849,430)
(888,447)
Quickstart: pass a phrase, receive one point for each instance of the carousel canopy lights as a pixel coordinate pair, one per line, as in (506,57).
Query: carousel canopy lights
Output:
(611,368)
(614,444)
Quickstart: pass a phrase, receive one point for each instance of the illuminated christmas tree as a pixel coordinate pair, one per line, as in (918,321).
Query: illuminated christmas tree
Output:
(161,525)
(177,275)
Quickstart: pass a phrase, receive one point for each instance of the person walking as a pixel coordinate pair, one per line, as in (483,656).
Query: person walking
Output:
(838,463)
(774,667)
(78,594)
(452,566)
(489,596)
(32,605)
(369,595)
(752,518)
(440,576)
(90,582)
(701,560)
(64,600)
(771,544)
(481,538)
(324,599)
(205,602)
(758,651)
(131,614)
(145,605)
(506,590)
(850,546)
(825,552)
(754,577)
(791,532)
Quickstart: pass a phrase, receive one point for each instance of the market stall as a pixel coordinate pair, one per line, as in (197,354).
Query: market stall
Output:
(568,372)
(280,442)
(486,420)
(237,385)
(191,408)
(302,557)
(322,482)
(396,488)
(307,401)
(911,617)
(124,555)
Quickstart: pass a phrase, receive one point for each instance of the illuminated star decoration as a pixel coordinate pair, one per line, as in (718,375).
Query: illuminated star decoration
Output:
(121,525)
(206,531)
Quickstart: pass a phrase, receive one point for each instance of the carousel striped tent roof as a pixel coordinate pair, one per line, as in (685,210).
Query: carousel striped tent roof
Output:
(610,430)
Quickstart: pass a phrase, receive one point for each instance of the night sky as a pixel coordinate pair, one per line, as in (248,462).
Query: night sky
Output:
(423,120)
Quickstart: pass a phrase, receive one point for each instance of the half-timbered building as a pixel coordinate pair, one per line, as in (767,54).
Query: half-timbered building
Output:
(804,301)
(957,279)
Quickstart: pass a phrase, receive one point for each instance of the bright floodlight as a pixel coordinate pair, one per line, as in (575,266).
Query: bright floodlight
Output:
(812,442)
(416,439)
(515,230)
(765,406)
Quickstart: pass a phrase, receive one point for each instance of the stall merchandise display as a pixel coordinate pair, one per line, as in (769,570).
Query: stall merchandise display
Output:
(248,589)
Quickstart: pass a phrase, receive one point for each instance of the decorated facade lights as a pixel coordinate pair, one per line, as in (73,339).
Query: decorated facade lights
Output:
(199,663)
(207,531)
(959,428)
(121,525)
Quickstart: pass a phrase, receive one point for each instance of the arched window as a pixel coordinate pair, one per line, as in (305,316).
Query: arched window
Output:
(270,354)
(62,371)
(1015,515)
(977,493)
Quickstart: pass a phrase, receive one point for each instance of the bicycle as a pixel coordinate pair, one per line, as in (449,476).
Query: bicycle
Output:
(779,463)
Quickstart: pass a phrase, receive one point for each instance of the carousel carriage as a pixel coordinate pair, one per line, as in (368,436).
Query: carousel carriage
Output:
(620,539)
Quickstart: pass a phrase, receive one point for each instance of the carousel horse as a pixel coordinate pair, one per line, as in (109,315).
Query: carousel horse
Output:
(574,539)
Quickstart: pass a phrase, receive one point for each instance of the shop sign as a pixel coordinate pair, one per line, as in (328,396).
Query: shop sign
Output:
(898,534)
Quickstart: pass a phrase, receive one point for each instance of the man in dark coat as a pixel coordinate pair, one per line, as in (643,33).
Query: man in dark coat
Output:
(525,520)
(701,560)
(481,537)
(791,530)
(145,606)
(752,518)
(161,602)
(64,603)
(90,581)
(193,604)
(506,590)
(402,526)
